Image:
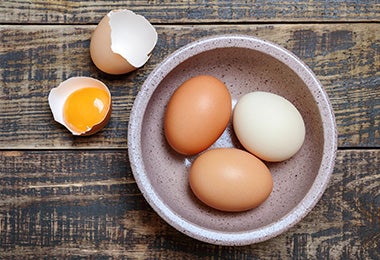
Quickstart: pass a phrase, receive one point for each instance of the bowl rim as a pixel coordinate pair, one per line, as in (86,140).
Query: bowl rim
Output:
(329,146)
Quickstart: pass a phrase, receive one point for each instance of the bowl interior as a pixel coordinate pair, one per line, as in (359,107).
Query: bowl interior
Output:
(243,70)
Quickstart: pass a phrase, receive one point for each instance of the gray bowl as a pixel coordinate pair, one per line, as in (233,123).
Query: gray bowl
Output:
(244,64)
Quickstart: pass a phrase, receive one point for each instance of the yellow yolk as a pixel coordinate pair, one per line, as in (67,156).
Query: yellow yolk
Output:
(85,108)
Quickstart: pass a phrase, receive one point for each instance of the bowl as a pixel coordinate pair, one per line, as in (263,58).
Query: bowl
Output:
(244,64)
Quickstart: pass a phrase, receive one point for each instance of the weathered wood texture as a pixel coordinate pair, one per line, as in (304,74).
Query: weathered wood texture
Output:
(86,203)
(166,11)
(63,196)
(34,59)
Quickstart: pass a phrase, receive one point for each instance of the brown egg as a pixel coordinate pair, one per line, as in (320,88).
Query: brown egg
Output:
(197,114)
(122,42)
(230,179)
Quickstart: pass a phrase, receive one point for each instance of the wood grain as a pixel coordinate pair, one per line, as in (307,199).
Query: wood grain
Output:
(345,57)
(86,203)
(71,197)
(166,11)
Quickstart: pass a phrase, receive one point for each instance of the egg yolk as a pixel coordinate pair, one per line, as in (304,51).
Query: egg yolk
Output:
(85,108)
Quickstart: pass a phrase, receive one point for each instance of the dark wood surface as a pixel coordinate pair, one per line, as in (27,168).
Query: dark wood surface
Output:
(72,197)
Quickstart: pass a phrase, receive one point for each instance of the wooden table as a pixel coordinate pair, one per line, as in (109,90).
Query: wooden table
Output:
(64,196)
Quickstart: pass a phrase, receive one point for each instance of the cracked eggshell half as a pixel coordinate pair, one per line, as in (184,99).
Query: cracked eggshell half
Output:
(92,109)
(122,42)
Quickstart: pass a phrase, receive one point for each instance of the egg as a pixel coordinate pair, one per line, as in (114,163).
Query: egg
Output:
(268,125)
(81,104)
(197,114)
(122,42)
(230,179)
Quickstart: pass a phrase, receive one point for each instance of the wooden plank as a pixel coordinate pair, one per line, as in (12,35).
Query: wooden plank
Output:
(166,11)
(345,57)
(86,203)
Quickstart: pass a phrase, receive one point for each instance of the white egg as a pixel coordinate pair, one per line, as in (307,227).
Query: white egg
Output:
(268,125)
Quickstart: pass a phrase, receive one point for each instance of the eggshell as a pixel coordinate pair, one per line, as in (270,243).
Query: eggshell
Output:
(197,114)
(268,125)
(122,42)
(230,179)
(58,96)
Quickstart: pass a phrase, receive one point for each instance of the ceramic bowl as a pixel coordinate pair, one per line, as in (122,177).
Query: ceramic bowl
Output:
(244,64)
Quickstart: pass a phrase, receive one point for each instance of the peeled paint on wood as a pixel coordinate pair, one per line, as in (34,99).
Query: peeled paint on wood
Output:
(178,12)
(343,56)
(82,203)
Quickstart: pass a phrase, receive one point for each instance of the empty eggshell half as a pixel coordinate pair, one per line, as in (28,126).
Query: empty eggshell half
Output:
(58,97)
(122,42)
